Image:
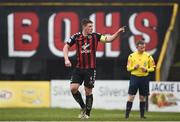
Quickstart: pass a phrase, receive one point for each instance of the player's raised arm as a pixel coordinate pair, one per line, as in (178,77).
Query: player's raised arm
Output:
(110,38)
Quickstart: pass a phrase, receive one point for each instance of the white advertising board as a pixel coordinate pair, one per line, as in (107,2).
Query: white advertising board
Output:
(107,94)
(164,96)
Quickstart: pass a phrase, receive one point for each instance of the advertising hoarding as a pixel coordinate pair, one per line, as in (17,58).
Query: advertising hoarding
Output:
(24,94)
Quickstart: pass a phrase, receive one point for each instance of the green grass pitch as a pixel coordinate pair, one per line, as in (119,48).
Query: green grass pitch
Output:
(60,114)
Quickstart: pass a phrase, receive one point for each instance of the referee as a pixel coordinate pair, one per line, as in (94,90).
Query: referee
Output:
(140,63)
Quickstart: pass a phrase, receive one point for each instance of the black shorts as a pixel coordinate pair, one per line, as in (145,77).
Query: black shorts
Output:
(139,83)
(84,75)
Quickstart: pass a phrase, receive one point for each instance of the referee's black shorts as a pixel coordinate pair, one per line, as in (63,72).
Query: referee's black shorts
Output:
(139,83)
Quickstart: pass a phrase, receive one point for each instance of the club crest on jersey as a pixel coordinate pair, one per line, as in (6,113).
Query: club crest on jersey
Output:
(89,36)
(84,48)
(145,64)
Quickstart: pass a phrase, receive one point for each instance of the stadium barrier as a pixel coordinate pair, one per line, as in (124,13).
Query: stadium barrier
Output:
(108,94)
(165,96)
(24,94)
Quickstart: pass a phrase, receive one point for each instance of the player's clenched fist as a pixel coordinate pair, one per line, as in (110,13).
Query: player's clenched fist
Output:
(68,63)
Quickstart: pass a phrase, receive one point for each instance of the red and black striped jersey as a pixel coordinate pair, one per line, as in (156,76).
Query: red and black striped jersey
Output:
(86,47)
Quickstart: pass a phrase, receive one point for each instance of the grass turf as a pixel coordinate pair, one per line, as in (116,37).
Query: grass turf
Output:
(59,114)
(177,64)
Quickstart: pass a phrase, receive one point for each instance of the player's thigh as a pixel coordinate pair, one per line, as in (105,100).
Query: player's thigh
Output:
(89,78)
(76,77)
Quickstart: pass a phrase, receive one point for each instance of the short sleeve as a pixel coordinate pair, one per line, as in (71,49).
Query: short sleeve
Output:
(151,61)
(130,66)
(98,36)
(71,40)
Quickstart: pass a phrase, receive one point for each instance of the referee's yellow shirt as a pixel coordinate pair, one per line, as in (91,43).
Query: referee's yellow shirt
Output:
(144,60)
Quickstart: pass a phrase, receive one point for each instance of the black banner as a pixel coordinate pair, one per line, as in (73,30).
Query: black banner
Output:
(37,31)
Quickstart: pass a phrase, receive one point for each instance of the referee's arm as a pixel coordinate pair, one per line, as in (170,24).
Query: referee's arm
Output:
(130,66)
(151,64)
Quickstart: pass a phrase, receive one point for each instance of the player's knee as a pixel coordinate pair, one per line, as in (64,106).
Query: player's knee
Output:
(74,89)
(88,91)
(141,98)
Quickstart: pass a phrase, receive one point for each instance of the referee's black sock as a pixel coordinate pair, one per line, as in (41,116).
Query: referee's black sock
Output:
(128,108)
(77,96)
(142,109)
(89,102)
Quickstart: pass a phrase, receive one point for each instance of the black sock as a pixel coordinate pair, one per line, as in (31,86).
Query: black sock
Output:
(128,108)
(89,102)
(142,108)
(77,96)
